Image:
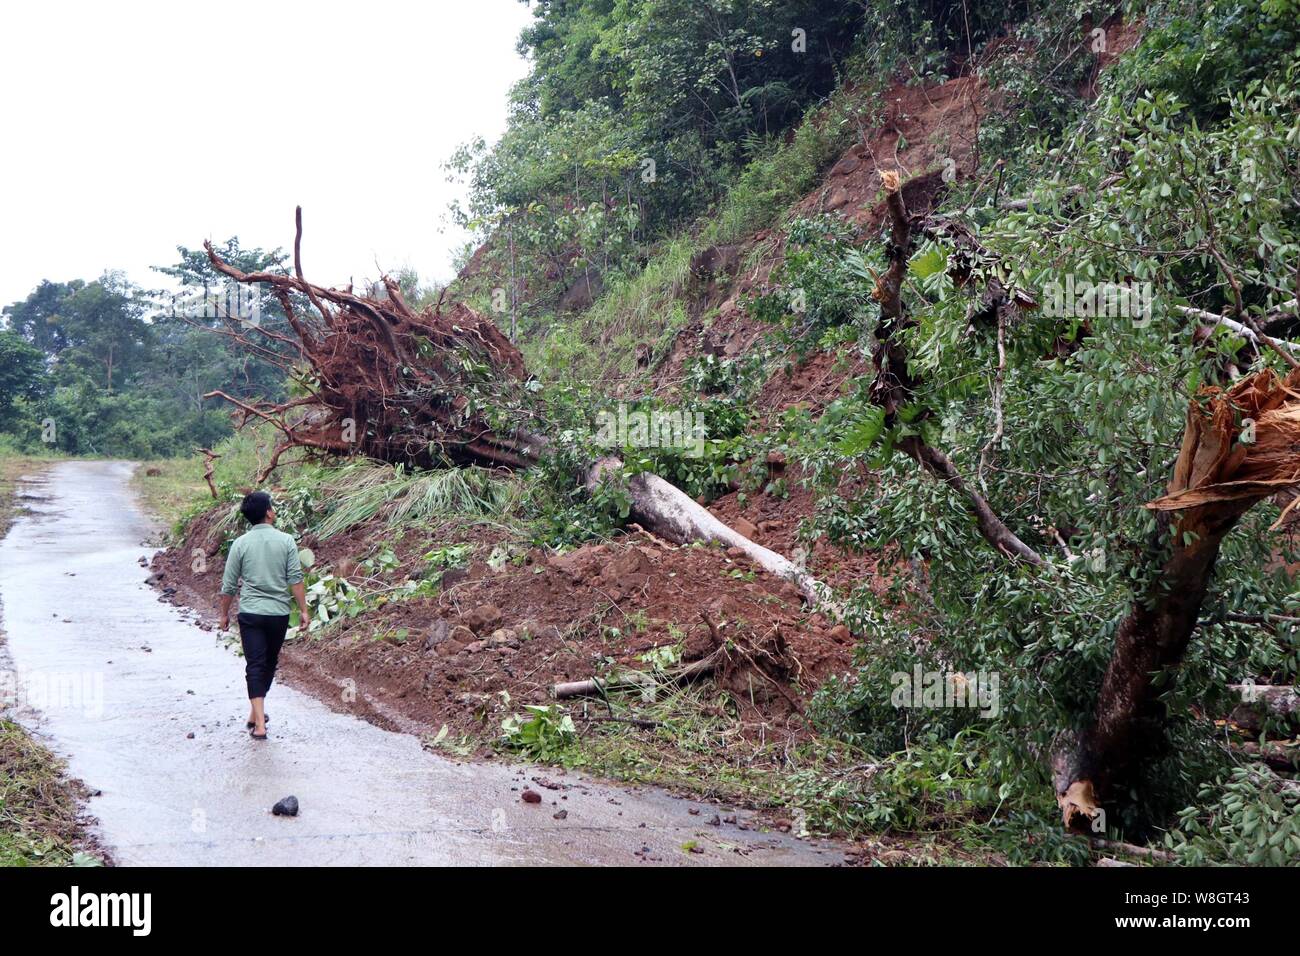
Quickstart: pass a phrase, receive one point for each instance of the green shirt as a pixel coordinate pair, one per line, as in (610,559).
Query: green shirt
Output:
(267,561)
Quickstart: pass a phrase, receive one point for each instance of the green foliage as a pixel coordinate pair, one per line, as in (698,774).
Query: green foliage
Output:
(22,372)
(329,598)
(823,284)
(1205,53)
(1251,818)
(544,734)
(635,118)
(1091,410)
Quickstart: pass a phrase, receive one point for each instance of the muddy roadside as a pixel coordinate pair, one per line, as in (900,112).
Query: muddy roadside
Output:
(497,635)
(45,820)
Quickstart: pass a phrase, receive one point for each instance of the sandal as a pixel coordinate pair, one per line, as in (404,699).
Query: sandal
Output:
(257,736)
(266,718)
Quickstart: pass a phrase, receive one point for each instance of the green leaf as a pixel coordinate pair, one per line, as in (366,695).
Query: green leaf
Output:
(930,262)
(863,433)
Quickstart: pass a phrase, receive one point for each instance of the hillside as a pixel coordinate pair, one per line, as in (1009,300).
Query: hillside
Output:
(986,332)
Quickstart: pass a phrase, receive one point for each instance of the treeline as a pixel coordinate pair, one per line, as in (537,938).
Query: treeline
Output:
(105,367)
(637,118)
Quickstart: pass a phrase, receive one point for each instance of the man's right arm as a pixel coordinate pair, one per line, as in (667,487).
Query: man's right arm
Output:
(295,576)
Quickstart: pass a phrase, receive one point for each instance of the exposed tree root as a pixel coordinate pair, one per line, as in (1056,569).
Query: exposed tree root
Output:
(384,380)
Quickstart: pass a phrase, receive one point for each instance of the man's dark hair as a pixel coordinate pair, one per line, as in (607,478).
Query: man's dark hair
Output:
(255,506)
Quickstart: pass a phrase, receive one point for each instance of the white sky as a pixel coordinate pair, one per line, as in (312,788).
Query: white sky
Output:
(129,128)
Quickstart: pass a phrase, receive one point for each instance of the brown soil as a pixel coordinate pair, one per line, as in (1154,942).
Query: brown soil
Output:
(541,619)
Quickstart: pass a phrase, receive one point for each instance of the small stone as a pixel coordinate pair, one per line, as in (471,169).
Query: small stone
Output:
(839,197)
(561,815)
(483,618)
(288,807)
(846,165)
(746,527)
(531,796)
(190,735)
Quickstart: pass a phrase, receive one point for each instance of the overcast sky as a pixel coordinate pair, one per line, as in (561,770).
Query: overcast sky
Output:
(127,129)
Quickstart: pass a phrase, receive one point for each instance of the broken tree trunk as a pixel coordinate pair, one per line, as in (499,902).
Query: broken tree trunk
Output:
(894,387)
(598,687)
(1241,447)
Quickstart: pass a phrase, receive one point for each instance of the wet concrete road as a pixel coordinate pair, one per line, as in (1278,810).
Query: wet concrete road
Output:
(116,681)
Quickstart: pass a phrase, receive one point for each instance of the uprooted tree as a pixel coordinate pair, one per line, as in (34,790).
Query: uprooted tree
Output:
(427,387)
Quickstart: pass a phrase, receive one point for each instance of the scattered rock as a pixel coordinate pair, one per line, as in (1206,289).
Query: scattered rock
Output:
(486,617)
(839,197)
(531,796)
(288,807)
(746,527)
(579,565)
(845,166)
(438,634)
(561,815)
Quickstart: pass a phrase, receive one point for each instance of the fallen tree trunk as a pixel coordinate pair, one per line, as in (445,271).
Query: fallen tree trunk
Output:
(674,515)
(1222,470)
(1284,757)
(598,687)
(1259,701)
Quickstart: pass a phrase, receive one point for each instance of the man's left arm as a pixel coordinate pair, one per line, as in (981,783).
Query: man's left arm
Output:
(229,584)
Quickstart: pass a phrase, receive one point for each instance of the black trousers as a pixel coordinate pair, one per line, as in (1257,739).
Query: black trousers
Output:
(262,636)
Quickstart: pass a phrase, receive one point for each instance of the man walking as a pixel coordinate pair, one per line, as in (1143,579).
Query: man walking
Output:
(266,562)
